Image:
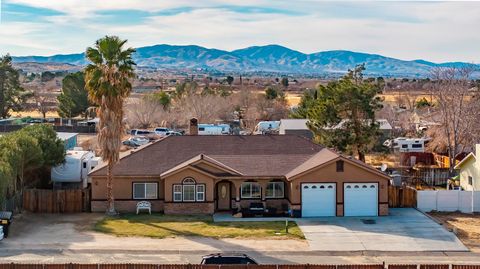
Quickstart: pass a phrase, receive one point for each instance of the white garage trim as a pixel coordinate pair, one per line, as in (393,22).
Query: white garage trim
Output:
(319,199)
(360,199)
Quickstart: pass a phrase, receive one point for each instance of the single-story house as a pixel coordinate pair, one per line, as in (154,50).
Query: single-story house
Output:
(206,174)
(470,170)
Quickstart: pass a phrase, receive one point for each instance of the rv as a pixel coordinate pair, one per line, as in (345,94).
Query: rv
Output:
(267,127)
(403,144)
(213,129)
(74,171)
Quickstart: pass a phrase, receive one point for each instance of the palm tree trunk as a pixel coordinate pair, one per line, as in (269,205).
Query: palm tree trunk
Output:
(110,201)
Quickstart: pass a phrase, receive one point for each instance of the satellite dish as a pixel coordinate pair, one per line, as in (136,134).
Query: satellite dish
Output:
(384,167)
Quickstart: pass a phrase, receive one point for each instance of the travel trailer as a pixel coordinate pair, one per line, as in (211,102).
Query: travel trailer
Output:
(403,144)
(74,171)
(213,129)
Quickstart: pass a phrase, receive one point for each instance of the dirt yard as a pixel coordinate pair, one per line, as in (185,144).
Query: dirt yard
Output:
(466,226)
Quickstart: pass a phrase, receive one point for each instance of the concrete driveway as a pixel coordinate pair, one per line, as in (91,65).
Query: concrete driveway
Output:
(405,229)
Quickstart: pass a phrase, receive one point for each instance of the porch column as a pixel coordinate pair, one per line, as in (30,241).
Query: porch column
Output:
(263,185)
(236,187)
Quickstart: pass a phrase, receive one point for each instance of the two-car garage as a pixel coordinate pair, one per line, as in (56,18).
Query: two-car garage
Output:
(320,199)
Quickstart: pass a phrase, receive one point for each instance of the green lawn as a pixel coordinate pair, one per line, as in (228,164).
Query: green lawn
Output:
(161,226)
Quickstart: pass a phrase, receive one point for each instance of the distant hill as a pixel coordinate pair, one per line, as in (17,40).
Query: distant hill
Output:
(270,58)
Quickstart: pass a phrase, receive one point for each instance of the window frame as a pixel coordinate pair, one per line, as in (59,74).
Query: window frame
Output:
(250,197)
(470,180)
(273,183)
(145,190)
(188,182)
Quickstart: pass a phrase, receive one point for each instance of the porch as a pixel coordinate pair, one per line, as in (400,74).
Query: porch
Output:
(264,197)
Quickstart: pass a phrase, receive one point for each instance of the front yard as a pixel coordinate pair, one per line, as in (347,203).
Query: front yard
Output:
(466,226)
(161,226)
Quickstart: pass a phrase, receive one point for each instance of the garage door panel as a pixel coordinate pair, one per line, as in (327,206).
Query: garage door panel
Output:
(318,199)
(361,199)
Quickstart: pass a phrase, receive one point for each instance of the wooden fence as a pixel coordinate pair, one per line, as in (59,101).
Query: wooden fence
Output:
(402,196)
(198,266)
(56,201)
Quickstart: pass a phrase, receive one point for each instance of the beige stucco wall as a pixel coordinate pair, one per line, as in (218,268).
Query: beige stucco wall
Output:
(470,168)
(122,187)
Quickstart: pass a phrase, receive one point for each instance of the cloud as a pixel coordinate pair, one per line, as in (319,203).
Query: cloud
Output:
(437,31)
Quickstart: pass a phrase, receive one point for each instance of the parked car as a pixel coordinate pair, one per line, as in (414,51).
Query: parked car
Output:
(140,140)
(227,259)
(5,221)
(136,141)
(135,132)
(162,131)
(173,133)
(130,143)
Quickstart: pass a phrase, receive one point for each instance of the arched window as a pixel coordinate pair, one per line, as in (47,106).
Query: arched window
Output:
(189,191)
(188,180)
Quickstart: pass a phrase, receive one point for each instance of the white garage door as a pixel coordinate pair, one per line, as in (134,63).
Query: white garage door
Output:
(360,199)
(318,200)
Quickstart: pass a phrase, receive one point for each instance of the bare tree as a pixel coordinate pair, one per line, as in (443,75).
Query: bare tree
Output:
(44,102)
(458,107)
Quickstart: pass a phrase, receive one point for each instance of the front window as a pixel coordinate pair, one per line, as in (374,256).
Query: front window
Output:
(275,190)
(145,190)
(251,190)
(189,191)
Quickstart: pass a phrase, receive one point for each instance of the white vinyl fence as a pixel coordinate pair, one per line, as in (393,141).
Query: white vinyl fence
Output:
(448,201)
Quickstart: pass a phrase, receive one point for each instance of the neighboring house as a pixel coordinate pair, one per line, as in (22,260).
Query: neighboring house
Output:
(205,174)
(470,170)
(295,127)
(299,127)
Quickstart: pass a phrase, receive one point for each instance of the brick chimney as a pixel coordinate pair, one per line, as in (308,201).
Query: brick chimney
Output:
(193,128)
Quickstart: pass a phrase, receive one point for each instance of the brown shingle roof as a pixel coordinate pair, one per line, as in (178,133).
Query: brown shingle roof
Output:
(252,155)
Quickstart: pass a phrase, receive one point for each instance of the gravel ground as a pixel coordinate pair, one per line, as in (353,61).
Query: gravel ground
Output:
(465,226)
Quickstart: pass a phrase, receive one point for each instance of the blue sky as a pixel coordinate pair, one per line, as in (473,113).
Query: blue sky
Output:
(435,31)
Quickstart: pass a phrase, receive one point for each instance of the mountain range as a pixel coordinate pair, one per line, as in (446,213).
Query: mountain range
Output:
(269,58)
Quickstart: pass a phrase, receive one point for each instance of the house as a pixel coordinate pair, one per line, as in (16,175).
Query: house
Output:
(470,171)
(300,127)
(295,127)
(206,174)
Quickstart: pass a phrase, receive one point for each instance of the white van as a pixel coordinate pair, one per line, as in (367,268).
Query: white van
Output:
(162,131)
(135,132)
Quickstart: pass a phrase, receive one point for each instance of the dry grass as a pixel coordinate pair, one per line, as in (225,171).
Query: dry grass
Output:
(466,226)
(161,226)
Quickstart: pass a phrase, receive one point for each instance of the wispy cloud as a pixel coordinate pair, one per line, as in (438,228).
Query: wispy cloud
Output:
(437,31)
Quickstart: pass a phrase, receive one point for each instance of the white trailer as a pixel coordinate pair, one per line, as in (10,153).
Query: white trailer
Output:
(74,171)
(403,144)
(213,129)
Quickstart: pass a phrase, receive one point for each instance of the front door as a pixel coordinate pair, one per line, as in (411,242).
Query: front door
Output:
(223,196)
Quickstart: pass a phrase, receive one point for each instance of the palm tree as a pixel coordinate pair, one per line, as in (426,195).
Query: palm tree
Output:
(108,82)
